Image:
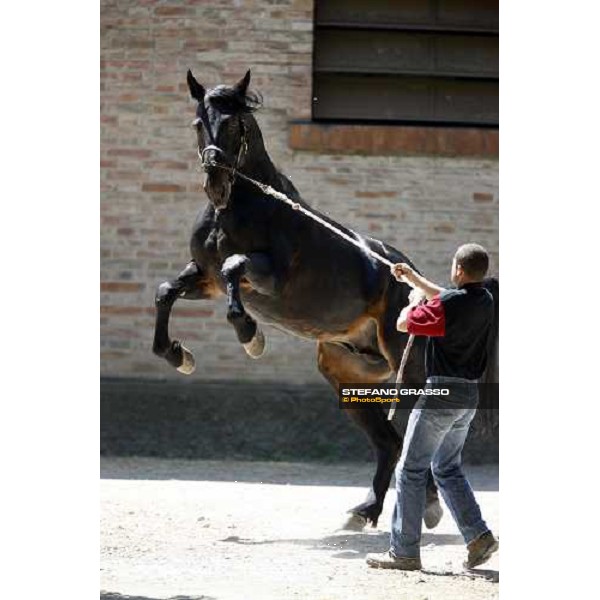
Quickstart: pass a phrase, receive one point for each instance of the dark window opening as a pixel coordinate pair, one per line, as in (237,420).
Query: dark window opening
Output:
(409,61)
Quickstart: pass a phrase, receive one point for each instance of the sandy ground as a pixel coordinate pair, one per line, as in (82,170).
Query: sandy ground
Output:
(258,530)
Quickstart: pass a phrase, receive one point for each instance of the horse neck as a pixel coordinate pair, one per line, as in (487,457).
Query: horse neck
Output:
(258,164)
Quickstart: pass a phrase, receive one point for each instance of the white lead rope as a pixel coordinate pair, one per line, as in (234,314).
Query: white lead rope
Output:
(400,375)
(267,189)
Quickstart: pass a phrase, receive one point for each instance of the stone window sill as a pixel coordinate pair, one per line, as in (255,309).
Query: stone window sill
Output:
(390,140)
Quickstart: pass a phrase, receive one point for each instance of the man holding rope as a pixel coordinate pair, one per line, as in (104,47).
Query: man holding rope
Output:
(457,323)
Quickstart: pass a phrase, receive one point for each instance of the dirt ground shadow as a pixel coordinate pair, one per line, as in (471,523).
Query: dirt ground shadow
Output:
(116,596)
(241,420)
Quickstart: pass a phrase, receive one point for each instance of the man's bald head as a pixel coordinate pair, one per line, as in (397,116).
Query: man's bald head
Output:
(474,261)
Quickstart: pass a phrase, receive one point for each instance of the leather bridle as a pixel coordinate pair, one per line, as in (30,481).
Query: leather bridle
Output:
(202,154)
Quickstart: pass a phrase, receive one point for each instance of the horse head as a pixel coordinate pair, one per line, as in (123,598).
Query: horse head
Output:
(222,128)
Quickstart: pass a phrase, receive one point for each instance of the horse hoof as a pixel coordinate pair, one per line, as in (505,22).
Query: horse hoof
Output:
(354,523)
(188,366)
(433,514)
(255,348)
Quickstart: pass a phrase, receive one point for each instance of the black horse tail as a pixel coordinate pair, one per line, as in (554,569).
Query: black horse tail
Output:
(487,421)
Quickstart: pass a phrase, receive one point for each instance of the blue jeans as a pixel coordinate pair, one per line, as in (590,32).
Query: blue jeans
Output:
(435,435)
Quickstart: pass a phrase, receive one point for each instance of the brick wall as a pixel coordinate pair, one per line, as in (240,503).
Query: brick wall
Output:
(423,205)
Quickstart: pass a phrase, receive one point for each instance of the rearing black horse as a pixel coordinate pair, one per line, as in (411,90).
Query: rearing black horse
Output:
(276,266)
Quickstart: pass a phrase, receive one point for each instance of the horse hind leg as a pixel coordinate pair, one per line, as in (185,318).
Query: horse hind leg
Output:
(339,364)
(392,343)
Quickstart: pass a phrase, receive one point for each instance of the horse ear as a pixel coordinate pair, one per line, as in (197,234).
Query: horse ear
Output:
(241,87)
(196,90)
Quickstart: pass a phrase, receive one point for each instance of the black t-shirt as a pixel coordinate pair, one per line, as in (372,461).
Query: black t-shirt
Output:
(458,323)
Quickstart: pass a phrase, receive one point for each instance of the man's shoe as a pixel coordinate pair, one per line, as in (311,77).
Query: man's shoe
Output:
(386,560)
(480,550)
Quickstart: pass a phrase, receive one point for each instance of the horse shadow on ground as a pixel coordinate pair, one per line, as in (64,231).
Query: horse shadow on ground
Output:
(352,546)
(488,574)
(357,545)
(117,596)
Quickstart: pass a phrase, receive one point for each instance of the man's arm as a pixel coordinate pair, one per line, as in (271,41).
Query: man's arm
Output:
(403,272)
(415,298)
(427,319)
(421,319)
(401,323)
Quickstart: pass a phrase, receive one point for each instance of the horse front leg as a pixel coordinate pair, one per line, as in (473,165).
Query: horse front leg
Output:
(191,284)
(256,267)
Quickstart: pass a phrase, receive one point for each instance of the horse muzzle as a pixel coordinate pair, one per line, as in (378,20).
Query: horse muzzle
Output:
(217,179)
(217,186)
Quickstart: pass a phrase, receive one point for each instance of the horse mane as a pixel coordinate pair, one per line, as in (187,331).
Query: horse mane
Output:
(228,100)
